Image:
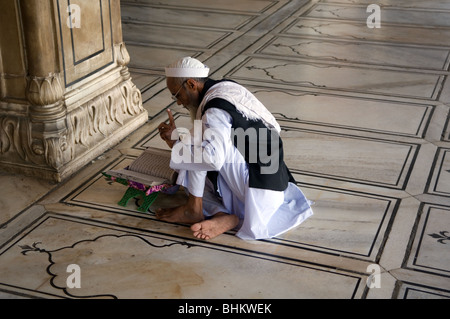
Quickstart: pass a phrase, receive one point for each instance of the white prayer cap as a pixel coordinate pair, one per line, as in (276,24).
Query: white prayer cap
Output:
(187,68)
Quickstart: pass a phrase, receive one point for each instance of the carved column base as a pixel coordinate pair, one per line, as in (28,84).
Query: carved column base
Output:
(66,94)
(59,147)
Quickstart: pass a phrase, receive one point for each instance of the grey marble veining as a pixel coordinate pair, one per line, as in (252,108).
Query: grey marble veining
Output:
(420,4)
(428,18)
(358,30)
(349,78)
(402,56)
(352,113)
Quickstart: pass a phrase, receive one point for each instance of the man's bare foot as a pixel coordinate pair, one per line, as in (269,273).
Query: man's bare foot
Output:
(179,214)
(215,226)
(190,213)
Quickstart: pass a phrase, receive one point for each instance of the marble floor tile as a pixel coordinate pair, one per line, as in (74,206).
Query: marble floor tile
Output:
(408,291)
(193,18)
(140,56)
(19,193)
(354,30)
(403,56)
(253,6)
(365,126)
(344,222)
(439,183)
(164,267)
(402,15)
(173,36)
(429,250)
(371,115)
(431,4)
(340,78)
(366,161)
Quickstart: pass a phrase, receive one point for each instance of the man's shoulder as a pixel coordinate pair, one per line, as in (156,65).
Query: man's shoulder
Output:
(219,103)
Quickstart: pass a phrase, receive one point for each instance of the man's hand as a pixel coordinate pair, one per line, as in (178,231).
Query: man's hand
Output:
(165,130)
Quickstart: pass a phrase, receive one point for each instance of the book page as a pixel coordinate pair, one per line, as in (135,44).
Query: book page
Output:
(154,163)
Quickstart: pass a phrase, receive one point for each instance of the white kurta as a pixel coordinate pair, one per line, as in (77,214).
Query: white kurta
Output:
(263,213)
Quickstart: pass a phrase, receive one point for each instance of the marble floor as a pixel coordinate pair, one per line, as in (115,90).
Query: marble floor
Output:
(364,117)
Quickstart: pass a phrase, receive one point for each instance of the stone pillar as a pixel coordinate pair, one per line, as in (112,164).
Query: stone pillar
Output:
(66,94)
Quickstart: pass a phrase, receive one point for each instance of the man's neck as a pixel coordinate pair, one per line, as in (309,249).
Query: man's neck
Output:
(205,87)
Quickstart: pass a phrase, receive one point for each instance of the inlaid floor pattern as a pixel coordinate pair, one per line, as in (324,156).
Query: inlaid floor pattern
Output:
(364,117)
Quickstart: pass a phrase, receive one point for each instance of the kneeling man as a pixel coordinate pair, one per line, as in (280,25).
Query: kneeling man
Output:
(231,163)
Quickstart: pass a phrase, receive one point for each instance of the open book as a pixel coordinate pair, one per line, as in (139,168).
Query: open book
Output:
(151,168)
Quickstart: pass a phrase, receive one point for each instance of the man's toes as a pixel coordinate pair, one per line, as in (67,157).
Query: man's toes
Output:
(198,231)
(196,227)
(205,237)
(198,235)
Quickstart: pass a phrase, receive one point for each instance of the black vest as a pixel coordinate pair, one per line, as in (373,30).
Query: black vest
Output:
(277,181)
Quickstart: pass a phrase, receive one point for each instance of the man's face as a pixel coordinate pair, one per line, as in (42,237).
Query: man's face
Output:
(185,94)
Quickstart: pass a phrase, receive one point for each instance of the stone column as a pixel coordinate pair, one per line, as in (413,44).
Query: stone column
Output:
(75,97)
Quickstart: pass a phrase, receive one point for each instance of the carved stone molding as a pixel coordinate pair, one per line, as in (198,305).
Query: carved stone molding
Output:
(88,127)
(44,90)
(45,95)
(20,145)
(16,142)
(101,116)
(123,58)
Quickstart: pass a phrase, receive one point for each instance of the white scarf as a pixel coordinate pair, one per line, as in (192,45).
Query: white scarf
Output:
(244,101)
